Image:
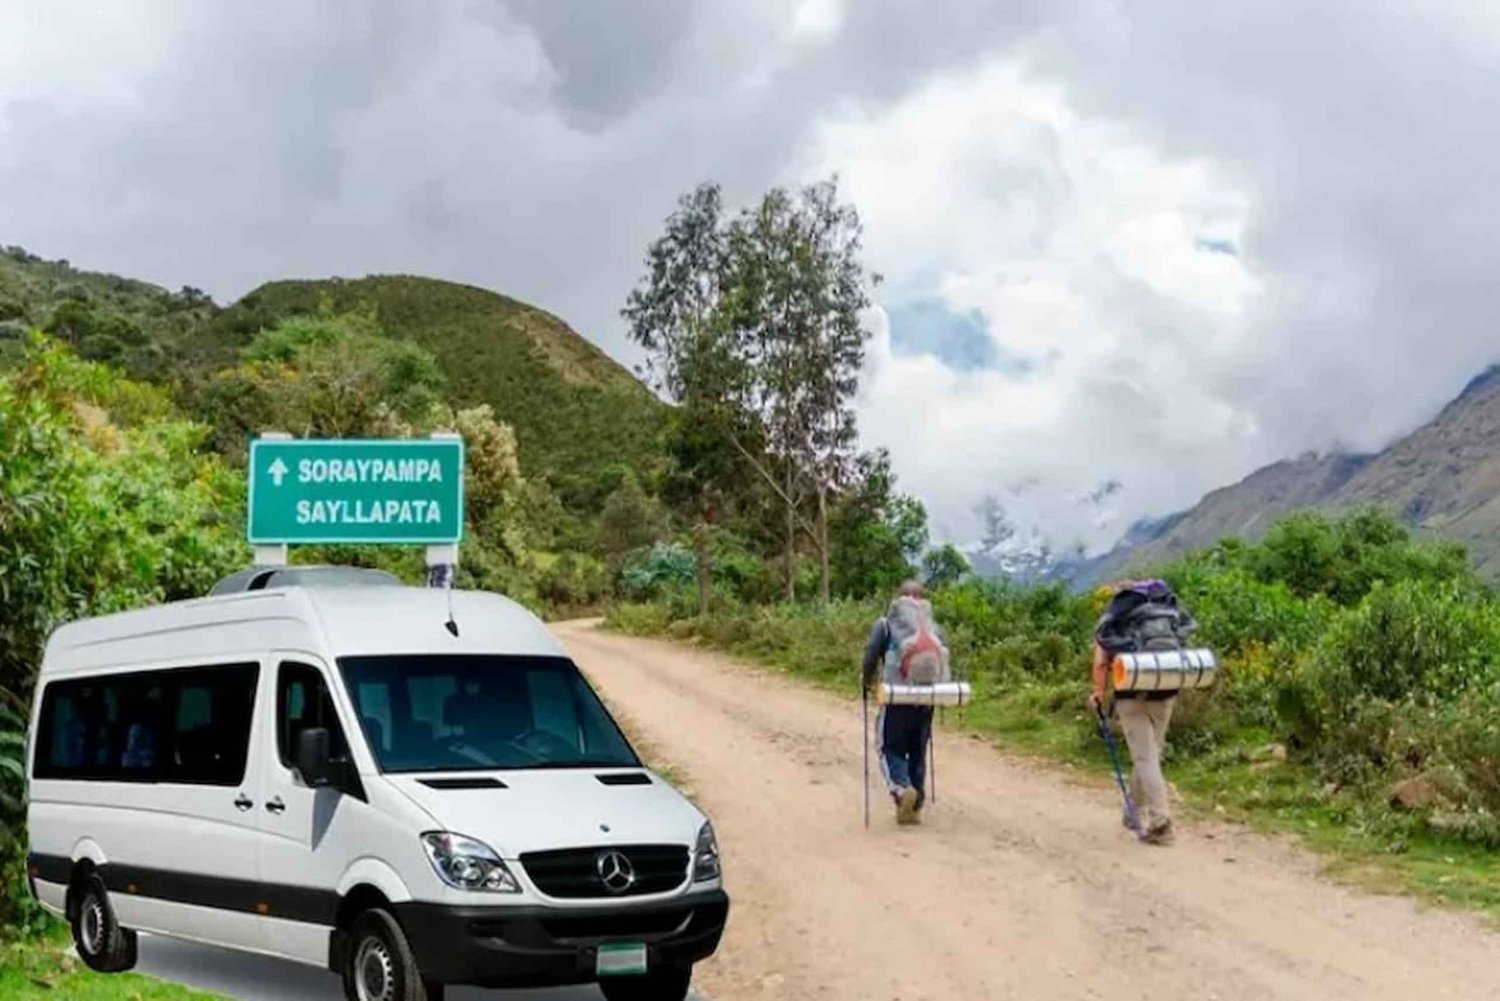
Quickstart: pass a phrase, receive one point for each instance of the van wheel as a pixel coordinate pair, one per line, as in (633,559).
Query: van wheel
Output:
(662,985)
(380,966)
(101,943)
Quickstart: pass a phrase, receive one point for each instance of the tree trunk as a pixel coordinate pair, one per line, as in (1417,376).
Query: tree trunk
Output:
(791,542)
(823,583)
(705,567)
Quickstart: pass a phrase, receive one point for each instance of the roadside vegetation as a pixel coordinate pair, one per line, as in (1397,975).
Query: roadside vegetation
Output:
(1358,703)
(45,967)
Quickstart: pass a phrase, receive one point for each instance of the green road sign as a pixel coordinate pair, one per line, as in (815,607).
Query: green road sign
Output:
(397,491)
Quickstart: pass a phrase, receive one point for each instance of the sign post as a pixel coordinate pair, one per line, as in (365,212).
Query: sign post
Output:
(327,491)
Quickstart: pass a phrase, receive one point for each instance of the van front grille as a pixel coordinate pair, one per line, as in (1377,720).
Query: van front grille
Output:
(574,873)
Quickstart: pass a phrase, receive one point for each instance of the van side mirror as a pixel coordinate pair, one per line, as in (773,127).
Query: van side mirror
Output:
(313,757)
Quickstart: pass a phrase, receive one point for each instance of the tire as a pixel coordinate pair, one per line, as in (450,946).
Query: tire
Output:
(102,944)
(662,985)
(380,966)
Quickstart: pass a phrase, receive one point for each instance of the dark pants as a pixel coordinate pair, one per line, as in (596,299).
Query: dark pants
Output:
(905,732)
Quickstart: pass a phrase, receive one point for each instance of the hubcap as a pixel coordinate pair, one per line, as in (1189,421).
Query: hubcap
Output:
(374,979)
(93,925)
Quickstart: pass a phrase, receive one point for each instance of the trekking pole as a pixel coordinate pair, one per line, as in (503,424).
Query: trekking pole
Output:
(864,739)
(932,760)
(1114,759)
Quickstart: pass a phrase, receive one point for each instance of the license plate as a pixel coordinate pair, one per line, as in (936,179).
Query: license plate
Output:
(620,960)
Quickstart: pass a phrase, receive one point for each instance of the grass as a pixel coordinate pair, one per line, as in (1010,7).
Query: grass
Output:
(1362,845)
(47,968)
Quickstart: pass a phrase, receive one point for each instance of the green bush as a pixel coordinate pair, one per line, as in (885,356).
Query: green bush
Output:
(106,502)
(648,573)
(1414,640)
(19,914)
(574,583)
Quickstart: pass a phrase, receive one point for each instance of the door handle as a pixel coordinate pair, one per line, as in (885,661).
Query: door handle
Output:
(276,805)
(244,803)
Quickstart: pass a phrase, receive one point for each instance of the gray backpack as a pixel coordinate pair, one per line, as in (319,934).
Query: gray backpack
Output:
(919,656)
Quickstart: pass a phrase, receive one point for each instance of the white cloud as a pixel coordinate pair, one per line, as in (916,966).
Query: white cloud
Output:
(1080,247)
(1200,235)
(818,18)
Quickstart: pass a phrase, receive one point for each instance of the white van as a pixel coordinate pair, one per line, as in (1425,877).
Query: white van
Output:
(412,787)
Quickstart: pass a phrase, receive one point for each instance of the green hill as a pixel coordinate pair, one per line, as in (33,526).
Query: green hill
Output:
(576,411)
(142,327)
(579,416)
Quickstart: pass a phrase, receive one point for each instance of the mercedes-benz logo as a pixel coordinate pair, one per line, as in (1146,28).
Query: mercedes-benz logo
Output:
(615,871)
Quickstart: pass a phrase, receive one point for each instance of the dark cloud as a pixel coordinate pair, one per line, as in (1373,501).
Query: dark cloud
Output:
(610,55)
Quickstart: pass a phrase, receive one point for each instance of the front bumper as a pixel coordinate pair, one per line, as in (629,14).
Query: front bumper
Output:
(503,946)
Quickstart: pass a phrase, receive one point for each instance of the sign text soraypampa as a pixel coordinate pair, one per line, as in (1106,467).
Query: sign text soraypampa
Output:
(330,491)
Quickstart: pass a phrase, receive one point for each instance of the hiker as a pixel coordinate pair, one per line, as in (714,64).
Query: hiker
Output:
(1142,616)
(906,643)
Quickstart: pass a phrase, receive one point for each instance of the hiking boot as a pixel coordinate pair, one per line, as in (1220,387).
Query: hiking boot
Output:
(906,806)
(1161,834)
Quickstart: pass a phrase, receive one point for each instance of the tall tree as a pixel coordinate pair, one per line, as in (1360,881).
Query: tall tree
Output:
(752,327)
(796,289)
(676,313)
(834,283)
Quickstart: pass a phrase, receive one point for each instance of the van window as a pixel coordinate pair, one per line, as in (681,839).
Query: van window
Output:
(478,712)
(303,703)
(212,725)
(187,725)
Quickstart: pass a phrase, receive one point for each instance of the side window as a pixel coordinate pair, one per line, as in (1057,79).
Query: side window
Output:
(215,707)
(303,703)
(189,725)
(144,730)
(77,723)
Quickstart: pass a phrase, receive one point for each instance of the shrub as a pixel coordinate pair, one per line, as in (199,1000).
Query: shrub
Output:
(649,573)
(573,583)
(19,914)
(1414,640)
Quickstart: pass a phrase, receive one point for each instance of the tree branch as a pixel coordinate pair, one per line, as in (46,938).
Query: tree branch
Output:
(775,486)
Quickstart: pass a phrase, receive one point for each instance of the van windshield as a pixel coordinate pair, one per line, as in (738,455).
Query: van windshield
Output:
(443,712)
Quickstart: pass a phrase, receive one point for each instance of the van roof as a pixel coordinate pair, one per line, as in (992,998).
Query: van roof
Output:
(349,621)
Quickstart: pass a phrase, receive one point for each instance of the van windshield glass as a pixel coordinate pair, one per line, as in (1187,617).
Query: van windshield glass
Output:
(441,712)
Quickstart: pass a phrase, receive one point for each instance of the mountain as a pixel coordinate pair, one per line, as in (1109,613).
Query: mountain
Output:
(1443,478)
(579,416)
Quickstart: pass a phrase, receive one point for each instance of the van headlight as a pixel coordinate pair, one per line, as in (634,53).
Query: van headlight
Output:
(466,864)
(706,855)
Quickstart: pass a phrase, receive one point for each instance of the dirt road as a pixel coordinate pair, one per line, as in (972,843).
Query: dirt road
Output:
(1019,885)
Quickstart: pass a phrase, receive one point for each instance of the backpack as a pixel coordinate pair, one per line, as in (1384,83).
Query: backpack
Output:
(921,658)
(1144,616)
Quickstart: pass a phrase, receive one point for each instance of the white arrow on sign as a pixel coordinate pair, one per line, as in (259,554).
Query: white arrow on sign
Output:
(278,470)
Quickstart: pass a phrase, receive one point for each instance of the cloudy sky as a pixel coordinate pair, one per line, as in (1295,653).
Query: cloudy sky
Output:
(1160,242)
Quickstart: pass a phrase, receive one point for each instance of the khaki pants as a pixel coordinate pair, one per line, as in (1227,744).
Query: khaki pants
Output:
(1145,725)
